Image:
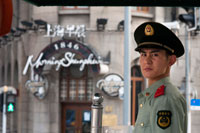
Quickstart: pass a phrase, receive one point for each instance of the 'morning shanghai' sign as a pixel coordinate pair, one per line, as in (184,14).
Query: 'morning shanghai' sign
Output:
(68,49)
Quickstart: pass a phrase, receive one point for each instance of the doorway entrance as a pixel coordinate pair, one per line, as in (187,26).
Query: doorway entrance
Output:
(76,99)
(137,85)
(76,118)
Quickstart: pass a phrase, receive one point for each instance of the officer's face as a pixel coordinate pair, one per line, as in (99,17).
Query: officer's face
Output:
(155,64)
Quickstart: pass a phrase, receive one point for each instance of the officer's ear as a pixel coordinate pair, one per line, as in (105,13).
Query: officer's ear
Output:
(172,59)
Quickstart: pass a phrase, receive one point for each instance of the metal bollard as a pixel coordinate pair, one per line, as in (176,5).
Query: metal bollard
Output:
(97,109)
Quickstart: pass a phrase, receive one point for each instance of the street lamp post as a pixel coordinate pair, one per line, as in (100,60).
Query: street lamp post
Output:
(9,95)
(126,102)
(4,119)
(187,75)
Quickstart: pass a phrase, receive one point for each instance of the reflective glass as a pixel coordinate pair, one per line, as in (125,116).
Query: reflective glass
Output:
(86,121)
(70,121)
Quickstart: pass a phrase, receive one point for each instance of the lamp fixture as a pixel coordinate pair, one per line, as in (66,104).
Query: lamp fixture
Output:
(101,22)
(12,31)
(7,37)
(1,42)
(41,24)
(21,29)
(120,26)
(15,33)
(27,24)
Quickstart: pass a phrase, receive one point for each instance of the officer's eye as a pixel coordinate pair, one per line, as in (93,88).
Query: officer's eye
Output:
(143,54)
(154,54)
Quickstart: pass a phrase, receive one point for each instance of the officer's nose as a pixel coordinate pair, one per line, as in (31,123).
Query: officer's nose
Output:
(148,59)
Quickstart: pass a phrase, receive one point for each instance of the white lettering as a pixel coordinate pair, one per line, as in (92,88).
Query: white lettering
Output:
(50,31)
(28,63)
(56,46)
(62,44)
(69,45)
(66,61)
(70,30)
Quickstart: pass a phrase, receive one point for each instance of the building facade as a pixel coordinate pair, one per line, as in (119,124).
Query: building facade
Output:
(56,74)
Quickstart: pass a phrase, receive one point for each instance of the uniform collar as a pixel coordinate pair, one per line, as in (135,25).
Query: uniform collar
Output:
(152,89)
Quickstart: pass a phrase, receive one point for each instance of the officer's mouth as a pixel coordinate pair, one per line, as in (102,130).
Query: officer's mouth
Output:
(147,69)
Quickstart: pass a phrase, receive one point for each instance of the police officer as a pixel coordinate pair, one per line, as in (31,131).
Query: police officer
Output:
(162,109)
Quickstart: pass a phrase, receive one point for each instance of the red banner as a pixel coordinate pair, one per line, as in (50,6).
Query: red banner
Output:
(6,13)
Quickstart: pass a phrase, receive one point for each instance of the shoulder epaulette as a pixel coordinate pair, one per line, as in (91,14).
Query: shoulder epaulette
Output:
(160,91)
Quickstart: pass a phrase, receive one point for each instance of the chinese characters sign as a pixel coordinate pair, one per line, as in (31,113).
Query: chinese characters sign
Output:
(69,30)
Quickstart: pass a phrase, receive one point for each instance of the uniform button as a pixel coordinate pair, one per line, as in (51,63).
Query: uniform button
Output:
(141,105)
(142,124)
(147,94)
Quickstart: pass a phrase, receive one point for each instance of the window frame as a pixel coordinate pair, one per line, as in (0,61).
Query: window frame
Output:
(141,9)
(75,8)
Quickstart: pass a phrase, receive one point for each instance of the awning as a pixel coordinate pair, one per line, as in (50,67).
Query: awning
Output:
(115,2)
(6,13)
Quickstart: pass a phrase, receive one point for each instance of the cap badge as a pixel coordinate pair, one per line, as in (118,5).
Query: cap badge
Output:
(149,31)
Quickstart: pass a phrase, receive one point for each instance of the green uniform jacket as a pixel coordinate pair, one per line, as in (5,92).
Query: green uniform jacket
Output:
(161,111)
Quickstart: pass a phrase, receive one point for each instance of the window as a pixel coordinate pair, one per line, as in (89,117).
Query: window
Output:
(74,10)
(140,9)
(137,85)
(9,74)
(75,7)
(3,75)
(75,85)
(16,75)
(144,12)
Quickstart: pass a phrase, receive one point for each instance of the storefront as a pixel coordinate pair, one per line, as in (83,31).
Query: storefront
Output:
(77,66)
(57,71)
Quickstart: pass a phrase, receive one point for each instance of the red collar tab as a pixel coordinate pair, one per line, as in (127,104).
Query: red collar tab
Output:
(160,91)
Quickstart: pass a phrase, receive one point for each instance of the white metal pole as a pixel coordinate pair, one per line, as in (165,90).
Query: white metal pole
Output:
(187,75)
(126,102)
(4,120)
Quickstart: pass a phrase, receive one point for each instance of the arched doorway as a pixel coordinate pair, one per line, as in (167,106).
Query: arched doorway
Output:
(77,65)
(137,85)
(76,99)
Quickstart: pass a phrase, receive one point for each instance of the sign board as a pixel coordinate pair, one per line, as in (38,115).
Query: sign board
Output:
(86,116)
(69,30)
(38,88)
(195,104)
(71,53)
(109,120)
(111,84)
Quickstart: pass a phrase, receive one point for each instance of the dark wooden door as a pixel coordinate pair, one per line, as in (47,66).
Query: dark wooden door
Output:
(76,117)
(137,85)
